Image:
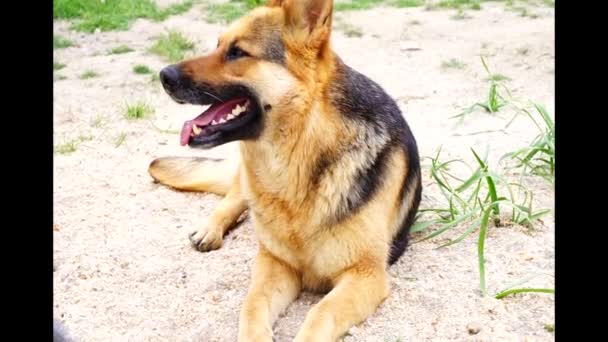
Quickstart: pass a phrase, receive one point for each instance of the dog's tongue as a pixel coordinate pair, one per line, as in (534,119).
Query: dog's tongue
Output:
(214,112)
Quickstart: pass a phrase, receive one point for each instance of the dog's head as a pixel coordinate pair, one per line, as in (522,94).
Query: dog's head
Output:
(262,65)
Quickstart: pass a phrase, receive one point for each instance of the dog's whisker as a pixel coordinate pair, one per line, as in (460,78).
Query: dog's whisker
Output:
(215,97)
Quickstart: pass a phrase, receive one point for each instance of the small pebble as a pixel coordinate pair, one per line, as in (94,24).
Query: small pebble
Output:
(474,328)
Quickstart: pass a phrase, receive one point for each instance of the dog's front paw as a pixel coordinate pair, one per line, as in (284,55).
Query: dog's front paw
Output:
(206,239)
(253,335)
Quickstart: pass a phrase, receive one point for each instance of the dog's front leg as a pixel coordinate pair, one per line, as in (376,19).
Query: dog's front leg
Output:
(211,235)
(274,286)
(356,295)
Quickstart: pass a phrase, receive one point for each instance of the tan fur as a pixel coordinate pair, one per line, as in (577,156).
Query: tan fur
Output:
(299,247)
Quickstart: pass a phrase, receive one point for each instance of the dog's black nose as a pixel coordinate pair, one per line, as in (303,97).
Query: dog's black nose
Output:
(169,76)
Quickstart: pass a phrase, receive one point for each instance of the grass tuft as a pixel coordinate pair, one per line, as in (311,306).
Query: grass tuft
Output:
(172,46)
(138,111)
(141,69)
(88,74)
(453,63)
(229,11)
(474,201)
(58,66)
(120,50)
(61,43)
(109,15)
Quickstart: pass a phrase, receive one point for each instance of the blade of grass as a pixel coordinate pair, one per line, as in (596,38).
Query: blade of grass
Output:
(447,226)
(480,249)
(466,233)
(513,291)
(490,182)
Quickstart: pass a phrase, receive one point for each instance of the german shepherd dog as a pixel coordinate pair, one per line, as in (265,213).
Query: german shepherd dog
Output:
(328,166)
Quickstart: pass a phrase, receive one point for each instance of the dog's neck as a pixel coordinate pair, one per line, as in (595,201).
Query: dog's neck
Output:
(300,130)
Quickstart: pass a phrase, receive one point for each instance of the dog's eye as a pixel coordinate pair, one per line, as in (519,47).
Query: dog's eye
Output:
(234,53)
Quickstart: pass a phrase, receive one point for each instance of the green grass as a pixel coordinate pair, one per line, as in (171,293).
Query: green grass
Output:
(58,66)
(111,15)
(474,202)
(453,63)
(356,5)
(99,121)
(348,29)
(120,139)
(141,69)
(172,46)
(61,43)
(407,3)
(66,147)
(514,291)
(120,50)
(138,111)
(229,11)
(460,4)
(88,74)
(538,158)
(460,15)
(550,327)
(495,101)
(71,145)
(497,78)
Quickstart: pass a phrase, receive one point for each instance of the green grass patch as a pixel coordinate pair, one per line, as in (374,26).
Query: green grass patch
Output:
(538,158)
(111,15)
(460,4)
(550,327)
(61,43)
(453,63)
(141,69)
(229,11)
(475,202)
(172,46)
(66,147)
(138,111)
(495,101)
(58,66)
(99,121)
(497,78)
(71,145)
(407,3)
(120,50)
(88,74)
(356,5)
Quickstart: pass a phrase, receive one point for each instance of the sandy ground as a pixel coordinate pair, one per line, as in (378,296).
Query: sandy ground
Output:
(124,269)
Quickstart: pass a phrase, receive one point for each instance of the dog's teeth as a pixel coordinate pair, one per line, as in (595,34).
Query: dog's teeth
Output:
(230,116)
(196,129)
(222,120)
(213,123)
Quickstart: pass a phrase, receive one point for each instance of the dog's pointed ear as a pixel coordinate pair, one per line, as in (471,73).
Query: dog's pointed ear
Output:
(312,17)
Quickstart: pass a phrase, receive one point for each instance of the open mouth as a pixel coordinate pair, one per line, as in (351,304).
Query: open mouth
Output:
(219,119)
